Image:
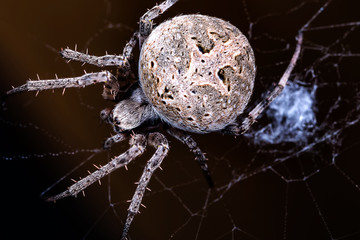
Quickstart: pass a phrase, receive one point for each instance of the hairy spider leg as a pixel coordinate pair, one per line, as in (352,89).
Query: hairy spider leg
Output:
(106,60)
(199,155)
(237,129)
(129,47)
(100,61)
(137,147)
(160,143)
(146,23)
(76,82)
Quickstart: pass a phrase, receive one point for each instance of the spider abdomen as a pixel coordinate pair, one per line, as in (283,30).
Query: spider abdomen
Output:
(198,72)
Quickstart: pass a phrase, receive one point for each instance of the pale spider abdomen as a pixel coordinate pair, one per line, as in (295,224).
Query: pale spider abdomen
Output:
(198,72)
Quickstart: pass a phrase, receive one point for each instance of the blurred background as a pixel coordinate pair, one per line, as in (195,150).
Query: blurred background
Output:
(299,187)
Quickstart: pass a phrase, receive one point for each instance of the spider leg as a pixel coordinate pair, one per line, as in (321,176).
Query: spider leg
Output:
(146,23)
(138,144)
(106,60)
(199,155)
(159,142)
(236,129)
(101,61)
(82,81)
(129,47)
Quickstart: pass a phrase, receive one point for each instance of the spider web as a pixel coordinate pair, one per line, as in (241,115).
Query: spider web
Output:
(294,175)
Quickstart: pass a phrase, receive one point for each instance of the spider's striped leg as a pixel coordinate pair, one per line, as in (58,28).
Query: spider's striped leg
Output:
(100,61)
(159,142)
(106,60)
(199,155)
(82,81)
(138,144)
(146,23)
(237,128)
(129,47)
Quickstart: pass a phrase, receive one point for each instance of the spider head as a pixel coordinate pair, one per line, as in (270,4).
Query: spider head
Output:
(127,115)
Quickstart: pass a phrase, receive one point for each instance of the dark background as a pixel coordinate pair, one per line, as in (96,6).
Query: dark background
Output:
(32,32)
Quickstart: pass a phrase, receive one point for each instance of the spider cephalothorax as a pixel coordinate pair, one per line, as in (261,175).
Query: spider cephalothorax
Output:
(196,74)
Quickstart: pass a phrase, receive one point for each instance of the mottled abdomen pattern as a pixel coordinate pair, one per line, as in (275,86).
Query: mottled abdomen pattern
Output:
(198,72)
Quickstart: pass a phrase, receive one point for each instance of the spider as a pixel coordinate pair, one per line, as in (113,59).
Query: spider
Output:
(195,74)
